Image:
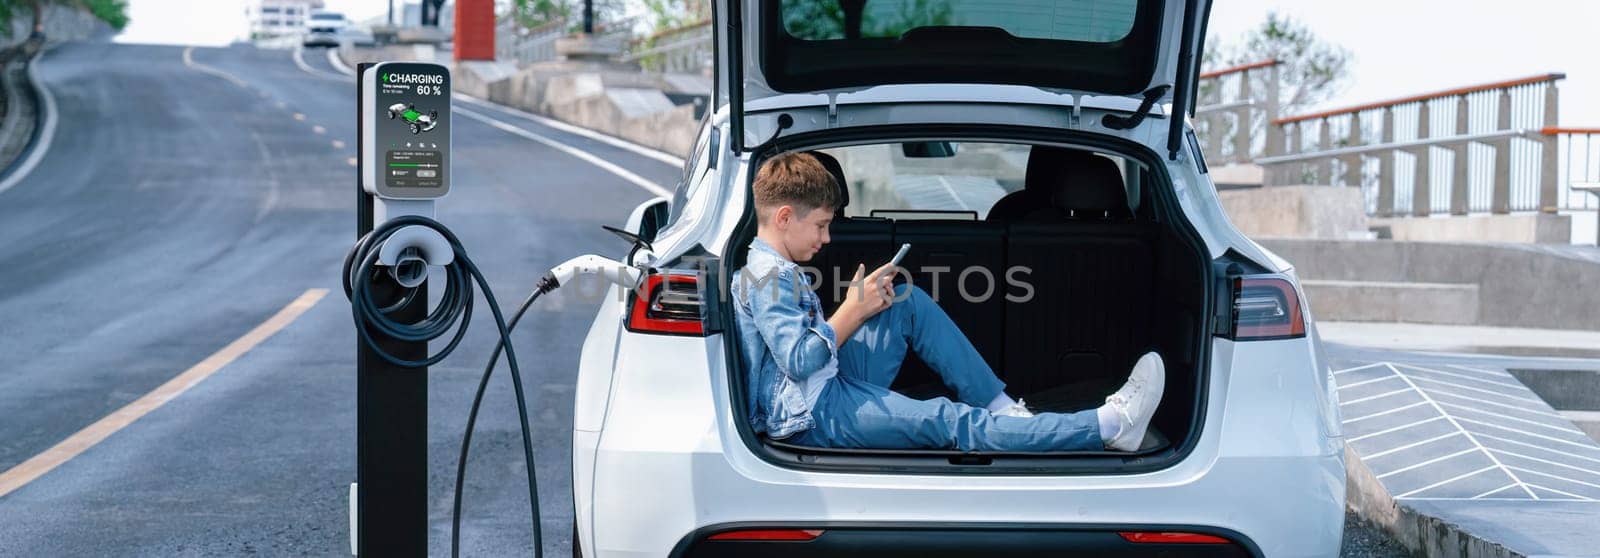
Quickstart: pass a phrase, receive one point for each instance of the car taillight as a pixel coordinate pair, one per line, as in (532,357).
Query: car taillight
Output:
(669,304)
(1171,538)
(1266,307)
(768,535)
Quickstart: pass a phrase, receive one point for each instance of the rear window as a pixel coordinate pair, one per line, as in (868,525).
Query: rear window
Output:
(1100,21)
(884,182)
(1107,46)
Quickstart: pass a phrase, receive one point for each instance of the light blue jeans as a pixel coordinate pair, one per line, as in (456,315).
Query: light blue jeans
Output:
(857,409)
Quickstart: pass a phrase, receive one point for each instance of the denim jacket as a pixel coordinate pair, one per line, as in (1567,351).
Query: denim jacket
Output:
(786,341)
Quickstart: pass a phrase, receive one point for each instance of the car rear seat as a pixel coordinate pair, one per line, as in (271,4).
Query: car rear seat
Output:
(1092,276)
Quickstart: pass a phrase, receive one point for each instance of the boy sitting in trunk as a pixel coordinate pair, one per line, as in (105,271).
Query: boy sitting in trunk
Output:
(824,381)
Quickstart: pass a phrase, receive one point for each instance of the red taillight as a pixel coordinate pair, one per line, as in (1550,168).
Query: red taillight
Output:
(1171,538)
(768,535)
(668,303)
(1266,308)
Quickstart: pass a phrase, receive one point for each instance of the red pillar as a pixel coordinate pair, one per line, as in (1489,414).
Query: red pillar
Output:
(474,30)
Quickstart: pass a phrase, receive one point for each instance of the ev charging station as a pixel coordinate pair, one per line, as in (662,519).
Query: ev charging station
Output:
(403,117)
(403,144)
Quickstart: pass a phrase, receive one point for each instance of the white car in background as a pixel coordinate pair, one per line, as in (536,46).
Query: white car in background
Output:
(324,29)
(988,135)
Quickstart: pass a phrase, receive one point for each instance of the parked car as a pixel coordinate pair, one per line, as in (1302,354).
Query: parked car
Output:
(323,29)
(991,136)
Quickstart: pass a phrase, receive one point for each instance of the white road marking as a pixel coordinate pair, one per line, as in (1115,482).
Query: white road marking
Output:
(1456,478)
(586,156)
(1557,477)
(1371,381)
(1455,423)
(1428,462)
(1561,492)
(1527,433)
(1494,491)
(662,156)
(1508,417)
(1382,413)
(338,144)
(1498,404)
(1362,367)
(304,67)
(1500,373)
(333,60)
(1412,445)
(1547,461)
(47,128)
(1517,386)
(1479,390)
(1537,447)
(188,60)
(82,440)
(318,130)
(1372,397)
(1395,429)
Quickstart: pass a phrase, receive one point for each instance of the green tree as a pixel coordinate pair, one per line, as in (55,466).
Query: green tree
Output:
(1312,70)
(537,13)
(113,12)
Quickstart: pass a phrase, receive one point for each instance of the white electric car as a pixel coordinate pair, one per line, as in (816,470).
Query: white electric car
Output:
(992,136)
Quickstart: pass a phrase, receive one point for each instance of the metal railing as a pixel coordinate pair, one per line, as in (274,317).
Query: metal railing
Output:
(1579,166)
(685,49)
(525,45)
(1235,105)
(1476,149)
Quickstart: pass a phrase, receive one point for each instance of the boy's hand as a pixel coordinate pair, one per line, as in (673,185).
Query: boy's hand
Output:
(869,295)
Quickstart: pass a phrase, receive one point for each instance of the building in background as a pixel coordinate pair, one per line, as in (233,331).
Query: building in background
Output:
(277,18)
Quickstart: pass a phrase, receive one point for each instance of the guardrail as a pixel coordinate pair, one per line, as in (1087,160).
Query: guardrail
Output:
(1235,105)
(525,45)
(1472,149)
(685,49)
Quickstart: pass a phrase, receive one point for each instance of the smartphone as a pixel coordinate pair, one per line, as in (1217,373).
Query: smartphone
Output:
(901,254)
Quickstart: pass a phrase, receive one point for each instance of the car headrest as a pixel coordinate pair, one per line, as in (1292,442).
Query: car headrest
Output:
(1078,182)
(835,169)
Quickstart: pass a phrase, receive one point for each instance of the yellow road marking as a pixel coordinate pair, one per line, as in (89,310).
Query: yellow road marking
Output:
(82,440)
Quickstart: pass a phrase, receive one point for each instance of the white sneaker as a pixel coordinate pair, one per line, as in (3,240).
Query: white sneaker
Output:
(1136,402)
(1018,409)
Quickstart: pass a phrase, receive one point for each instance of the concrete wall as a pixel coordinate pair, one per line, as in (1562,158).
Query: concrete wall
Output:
(1518,285)
(1530,228)
(1296,211)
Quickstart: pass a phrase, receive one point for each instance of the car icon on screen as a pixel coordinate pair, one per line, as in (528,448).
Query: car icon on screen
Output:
(419,122)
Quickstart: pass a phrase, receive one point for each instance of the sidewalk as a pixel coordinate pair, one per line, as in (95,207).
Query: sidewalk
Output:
(1464,339)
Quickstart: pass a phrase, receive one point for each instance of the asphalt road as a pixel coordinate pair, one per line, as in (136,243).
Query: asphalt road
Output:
(176,210)
(187,199)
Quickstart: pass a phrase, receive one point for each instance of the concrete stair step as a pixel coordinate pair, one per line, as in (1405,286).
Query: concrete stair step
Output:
(1393,301)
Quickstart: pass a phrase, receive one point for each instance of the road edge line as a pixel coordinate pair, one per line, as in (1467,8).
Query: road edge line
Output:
(90,436)
(608,166)
(46,131)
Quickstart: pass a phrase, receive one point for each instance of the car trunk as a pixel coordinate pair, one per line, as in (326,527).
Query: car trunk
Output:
(1098,291)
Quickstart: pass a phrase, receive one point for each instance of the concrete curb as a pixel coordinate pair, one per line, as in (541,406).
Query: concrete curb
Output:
(1422,534)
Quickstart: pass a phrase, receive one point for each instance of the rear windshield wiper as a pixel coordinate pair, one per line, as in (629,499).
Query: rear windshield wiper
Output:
(1124,122)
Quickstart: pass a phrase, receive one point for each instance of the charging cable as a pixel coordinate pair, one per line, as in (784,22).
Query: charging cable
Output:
(456,306)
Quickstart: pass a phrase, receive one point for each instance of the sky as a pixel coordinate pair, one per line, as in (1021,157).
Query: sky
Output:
(1399,47)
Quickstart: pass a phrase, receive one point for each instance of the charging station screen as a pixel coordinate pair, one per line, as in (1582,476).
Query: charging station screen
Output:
(413,126)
